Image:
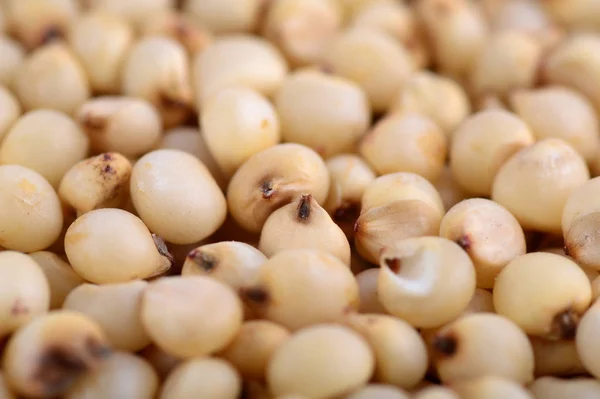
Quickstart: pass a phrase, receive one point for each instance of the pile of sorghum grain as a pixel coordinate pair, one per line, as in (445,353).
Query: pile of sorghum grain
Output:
(299,199)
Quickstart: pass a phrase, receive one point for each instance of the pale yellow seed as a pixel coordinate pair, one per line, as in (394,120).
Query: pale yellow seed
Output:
(10,109)
(379,391)
(491,387)
(12,55)
(556,388)
(224,16)
(135,11)
(61,277)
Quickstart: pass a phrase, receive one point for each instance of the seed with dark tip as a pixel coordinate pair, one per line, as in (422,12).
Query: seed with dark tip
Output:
(564,325)
(267,189)
(107,157)
(445,344)
(304,208)
(57,369)
(205,261)
(394,264)
(161,246)
(464,242)
(51,34)
(108,169)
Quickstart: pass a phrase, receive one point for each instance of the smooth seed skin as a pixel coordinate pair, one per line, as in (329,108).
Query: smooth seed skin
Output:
(302,287)
(252,348)
(35,22)
(273,178)
(557,358)
(12,55)
(490,387)
(556,388)
(381,56)
(220,17)
(61,277)
(326,113)
(562,113)
(367,290)
(10,109)
(302,29)
(190,316)
(320,362)
(596,288)
(30,211)
(157,70)
(134,11)
(237,123)
(303,224)
(203,378)
(25,291)
(423,149)
(128,125)
(116,308)
(482,344)
(98,182)
(543,293)
(111,246)
(400,353)
(191,203)
(488,233)
(439,98)
(534,183)
(379,391)
(51,77)
(482,144)
(122,375)
(101,41)
(586,342)
(238,60)
(48,142)
(436,392)
(427,281)
(581,202)
(48,355)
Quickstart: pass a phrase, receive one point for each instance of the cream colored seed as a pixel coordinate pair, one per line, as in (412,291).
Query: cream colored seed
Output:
(587,345)
(30,212)
(423,150)
(10,110)
(581,202)
(25,291)
(98,182)
(157,70)
(302,29)
(129,125)
(37,22)
(272,178)
(578,15)
(394,207)
(302,287)
(488,233)
(191,140)
(203,378)
(48,142)
(111,246)
(379,391)
(380,56)
(563,113)
(51,77)
(482,144)
(596,288)
(321,361)
(122,375)
(400,353)
(534,183)
(491,387)
(193,36)
(576,63)
(303,224)
(5,389)
(556,358)
(556,388)
(437,97)
(239,60)
(519,15)
(508,61)
(545,294)
(101,41)
(12,55)
(181,208)
(48,355)
(229,16)
(427,281)
(253,347)
(233,263)
(116,308)
(61,277)
(238,123)
(482,344)
(367,289)
(191,316)
(135,11)
(327,113)
(436,392)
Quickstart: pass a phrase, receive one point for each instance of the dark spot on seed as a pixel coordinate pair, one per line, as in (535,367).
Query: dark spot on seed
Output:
(18,308)
(266,187)
(107,157)
(97,349)
(394,264)
(50,34)
(93,124)
(57,369)
(109,170)
(445,344)
(205,261)
(304,209)
(464,242)
(255,295)
(567,250)
(326,69)
(347,212)
(161,246)
(564,325)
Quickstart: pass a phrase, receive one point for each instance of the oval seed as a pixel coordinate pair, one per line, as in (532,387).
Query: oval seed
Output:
(490,387)
(556,388)
(61,277)
(229,16)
